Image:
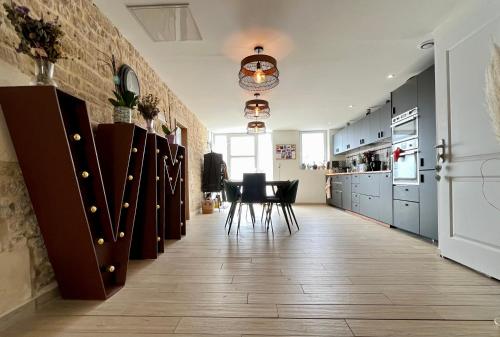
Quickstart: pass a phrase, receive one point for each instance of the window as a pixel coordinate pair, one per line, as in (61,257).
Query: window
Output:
(245,153)
(313,147)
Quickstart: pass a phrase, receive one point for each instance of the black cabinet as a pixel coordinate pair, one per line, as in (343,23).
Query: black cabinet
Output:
(427,119)
(405,97)
(428,205)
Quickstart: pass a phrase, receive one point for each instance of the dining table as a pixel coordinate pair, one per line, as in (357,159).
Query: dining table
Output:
(273,183)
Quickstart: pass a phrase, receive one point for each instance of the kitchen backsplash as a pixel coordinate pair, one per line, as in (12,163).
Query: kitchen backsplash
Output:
(382,152)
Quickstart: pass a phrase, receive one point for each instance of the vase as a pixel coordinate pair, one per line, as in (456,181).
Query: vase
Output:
(122,114)
(44,73)
(150,126)
(171,138)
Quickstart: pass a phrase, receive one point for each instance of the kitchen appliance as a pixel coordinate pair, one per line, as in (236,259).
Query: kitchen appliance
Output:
(375,165)
(405,163)
(405,126)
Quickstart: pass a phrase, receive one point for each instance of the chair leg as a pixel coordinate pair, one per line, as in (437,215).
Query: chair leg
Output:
(263,209)
(293,214)
(268,215)
(283,207)
(231,213)
(239,220)
(252,214)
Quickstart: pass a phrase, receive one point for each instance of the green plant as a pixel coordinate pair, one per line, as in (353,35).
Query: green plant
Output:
(167,131)
(148,106)
(38,38)
(128,99)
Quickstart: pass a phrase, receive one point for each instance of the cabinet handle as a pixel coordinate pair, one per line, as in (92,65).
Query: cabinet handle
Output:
(421,161)
(406,190)
(421,178)
(393,110)
(381,134)
(407,205)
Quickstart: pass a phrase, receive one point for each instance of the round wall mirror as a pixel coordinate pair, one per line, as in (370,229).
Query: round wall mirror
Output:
(129,80)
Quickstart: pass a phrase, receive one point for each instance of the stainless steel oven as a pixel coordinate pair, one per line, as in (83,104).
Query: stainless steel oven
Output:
(405,126)
(405,163)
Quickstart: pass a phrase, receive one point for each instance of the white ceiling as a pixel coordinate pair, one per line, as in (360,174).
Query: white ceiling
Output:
(331,54)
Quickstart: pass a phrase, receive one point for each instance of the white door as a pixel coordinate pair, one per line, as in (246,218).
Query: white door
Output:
(469,190)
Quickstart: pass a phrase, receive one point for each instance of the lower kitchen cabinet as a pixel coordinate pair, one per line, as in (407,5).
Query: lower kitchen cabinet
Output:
(407,215)
(369,206)
(346,192)
(337,198)
(385,210)
(370,184)
(428,205)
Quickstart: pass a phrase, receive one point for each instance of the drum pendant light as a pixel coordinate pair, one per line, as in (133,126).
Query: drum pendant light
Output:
(258,72)
(256,127)
(257,108)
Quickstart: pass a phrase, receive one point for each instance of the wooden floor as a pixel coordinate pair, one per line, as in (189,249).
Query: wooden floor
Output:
(340,275)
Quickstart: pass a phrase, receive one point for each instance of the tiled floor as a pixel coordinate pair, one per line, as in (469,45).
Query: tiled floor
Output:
(340,275)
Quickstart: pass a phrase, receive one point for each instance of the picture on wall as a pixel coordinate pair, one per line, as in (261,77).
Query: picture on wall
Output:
(285,151)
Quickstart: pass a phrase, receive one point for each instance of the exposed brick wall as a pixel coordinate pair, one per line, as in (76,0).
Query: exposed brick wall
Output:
(85,75)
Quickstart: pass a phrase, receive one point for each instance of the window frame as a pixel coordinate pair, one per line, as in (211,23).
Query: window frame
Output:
(228,148)
(325,145)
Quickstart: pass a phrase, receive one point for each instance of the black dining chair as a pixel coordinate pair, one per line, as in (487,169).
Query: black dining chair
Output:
(253,192)
(233,195)
(289,197)
(279,200)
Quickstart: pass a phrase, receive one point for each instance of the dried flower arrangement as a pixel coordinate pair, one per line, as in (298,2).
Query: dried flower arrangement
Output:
(39,39)
(148,106)
(493,89)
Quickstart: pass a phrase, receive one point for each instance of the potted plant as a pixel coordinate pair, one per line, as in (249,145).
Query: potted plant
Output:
(39,39)
(148,108)
(123,103)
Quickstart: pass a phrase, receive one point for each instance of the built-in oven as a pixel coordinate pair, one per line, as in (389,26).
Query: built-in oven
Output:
(405,126)
(405,163)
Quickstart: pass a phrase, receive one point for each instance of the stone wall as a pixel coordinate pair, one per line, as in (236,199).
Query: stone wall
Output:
(90,39)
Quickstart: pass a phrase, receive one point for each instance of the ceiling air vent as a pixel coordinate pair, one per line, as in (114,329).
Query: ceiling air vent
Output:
(168,22)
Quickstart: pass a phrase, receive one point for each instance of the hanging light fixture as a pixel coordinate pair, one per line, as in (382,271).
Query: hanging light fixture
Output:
(258,72)
(256,127)
(257,108)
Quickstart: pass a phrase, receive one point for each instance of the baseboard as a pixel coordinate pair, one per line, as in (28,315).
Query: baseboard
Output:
(29,307)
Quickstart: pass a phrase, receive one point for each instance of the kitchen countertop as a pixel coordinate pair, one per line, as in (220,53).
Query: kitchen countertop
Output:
(347,173)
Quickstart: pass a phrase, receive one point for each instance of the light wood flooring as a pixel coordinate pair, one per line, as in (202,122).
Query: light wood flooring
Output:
(340,275)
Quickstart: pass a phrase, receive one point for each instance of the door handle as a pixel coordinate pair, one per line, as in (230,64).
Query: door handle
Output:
(441,151)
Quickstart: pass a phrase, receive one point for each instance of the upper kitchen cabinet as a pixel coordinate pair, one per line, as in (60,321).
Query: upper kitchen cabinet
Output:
(338,142)
(427,119)
(384,119)
(362,128)
(405,97)
(348,137)
(373,127)
(380,124)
